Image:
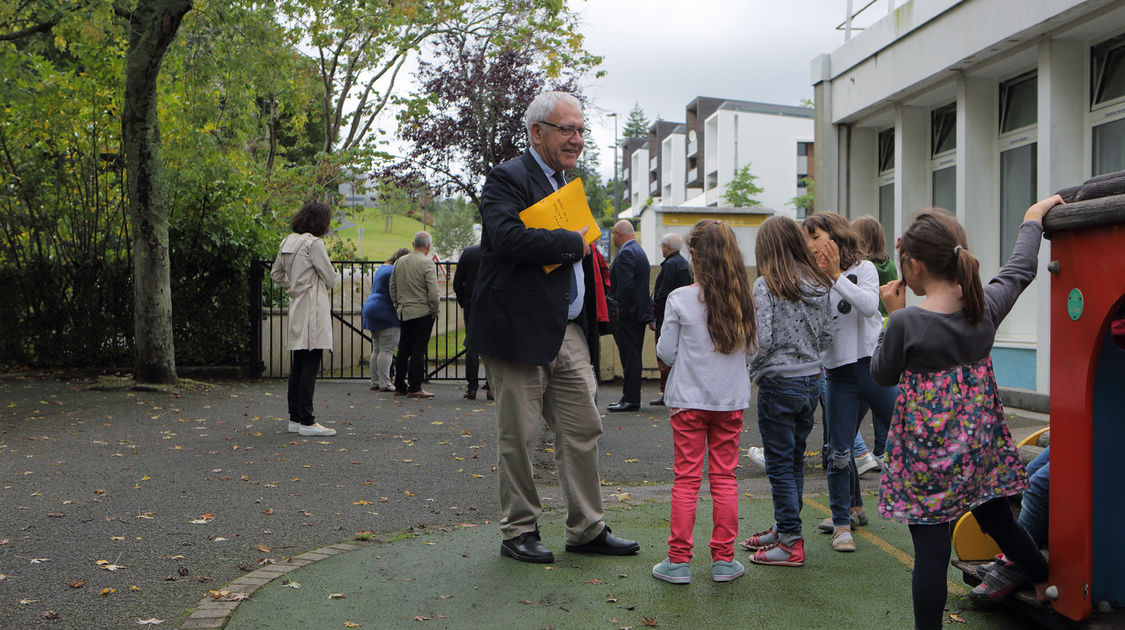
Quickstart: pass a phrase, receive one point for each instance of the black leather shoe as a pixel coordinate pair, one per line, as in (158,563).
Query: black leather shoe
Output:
(624,406)
(608,544)
(527,548)
(659,402)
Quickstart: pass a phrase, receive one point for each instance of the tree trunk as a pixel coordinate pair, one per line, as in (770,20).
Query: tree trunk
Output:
(152,27)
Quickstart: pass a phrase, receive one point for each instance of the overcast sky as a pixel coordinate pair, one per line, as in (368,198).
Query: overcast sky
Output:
(661,54)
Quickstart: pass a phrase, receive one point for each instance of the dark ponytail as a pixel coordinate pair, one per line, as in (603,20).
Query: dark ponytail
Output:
(938,241)
(968,276)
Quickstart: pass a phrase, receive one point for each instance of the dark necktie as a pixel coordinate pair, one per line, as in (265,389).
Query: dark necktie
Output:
(560,180)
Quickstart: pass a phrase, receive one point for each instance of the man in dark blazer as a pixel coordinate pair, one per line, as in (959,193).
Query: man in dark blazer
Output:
(629,282)
(675,272)
(537,335)
(464,283)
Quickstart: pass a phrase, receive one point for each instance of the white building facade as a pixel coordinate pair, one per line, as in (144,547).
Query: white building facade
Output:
(980,107)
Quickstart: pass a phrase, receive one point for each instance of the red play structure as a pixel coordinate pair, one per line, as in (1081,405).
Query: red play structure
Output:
(1087,537)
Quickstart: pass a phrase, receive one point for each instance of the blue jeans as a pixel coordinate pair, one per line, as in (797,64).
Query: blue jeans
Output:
(785,419)
(850,387)
(1034,513)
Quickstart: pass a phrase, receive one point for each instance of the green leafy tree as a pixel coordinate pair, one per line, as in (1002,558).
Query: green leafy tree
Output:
(588,168)
(741,189)
(636,126)
(804,202)
(453,225)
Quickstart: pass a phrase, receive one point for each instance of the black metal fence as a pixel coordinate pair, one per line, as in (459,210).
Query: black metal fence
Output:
(269,319)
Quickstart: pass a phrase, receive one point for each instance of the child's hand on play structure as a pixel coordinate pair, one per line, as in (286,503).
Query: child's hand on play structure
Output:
(1039,209)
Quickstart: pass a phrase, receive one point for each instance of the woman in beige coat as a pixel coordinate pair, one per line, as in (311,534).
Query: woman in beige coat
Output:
(304,270)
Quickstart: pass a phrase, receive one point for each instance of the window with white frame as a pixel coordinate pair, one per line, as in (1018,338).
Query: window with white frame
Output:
(943,158)
(1107,106)
(1017,142)
(885,181)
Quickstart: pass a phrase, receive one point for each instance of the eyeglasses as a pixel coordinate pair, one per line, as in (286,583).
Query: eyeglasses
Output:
(844,306)
(568,131)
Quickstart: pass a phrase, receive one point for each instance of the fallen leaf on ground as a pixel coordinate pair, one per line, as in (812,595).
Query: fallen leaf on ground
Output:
(107,591)
(264,549)
(648,621)
(352,624)
(595,581)
(421,618)
(953,617)
(78,584)
(337,596)
(151,621)
(28,601)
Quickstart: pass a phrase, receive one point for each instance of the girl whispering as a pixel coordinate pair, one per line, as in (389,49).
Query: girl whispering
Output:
(707,336)
(794,328)
(949,449)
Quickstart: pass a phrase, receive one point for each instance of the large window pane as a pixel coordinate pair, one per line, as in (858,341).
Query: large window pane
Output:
(1019,105)
(1017,192)
(886,150)
(887,214)
(1109,147)
(1107,70)
(943,129)
(945,188)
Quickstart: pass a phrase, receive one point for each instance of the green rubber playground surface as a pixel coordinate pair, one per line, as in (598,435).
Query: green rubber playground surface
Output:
(454,577)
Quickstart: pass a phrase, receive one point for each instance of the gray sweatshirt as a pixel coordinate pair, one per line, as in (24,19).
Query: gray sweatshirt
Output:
(791,335)
(924,341)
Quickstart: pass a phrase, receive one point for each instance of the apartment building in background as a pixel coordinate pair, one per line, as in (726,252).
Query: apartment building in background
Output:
(980,107)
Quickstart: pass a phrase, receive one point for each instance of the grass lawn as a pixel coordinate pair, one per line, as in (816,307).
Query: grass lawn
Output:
(377,244)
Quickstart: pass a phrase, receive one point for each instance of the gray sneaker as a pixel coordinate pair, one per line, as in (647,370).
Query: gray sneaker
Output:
(673,572)
(858,518)
(723,571)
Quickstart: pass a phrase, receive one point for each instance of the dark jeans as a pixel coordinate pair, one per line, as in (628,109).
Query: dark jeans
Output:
(630,336)
(932,544)
(849,387)
(303,368)
(785,419)
(410,363)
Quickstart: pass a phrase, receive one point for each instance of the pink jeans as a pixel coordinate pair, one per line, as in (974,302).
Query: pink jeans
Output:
(715,433)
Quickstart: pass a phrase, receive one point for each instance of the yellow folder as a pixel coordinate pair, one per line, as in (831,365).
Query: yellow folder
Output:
(566,209)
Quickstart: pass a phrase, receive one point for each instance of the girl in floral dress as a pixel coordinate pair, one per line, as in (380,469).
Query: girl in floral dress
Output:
(949,449)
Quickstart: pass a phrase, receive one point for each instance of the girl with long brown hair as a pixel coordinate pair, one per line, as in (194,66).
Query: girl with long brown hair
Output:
(950,450)
(707,337)
(794,326)
(850,390)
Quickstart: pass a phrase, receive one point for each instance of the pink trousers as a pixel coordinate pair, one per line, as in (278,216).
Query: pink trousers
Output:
(715,433)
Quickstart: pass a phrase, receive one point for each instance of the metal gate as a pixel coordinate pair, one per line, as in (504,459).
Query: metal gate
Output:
(349,358)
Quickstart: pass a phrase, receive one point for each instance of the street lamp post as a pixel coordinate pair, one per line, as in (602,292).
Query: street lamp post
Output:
(616,180)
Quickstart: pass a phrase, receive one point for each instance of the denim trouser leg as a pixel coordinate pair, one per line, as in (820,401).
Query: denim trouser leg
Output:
(849,388)
(785,419)
(1034,514)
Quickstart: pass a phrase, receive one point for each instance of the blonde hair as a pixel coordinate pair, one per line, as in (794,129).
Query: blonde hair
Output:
(725,286)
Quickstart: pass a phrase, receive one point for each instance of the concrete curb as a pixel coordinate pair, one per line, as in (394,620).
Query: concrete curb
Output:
(214,613)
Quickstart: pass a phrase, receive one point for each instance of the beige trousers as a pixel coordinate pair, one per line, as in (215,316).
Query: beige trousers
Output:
(562,393)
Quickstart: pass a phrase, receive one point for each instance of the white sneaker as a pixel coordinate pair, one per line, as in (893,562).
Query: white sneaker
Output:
(868,462)
(294,426)
(317,430)
(842,539)
(757,455)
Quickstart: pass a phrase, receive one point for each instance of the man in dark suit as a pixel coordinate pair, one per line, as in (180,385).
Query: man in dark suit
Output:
(537,335)
(464,283)
(675,272)
(629,281)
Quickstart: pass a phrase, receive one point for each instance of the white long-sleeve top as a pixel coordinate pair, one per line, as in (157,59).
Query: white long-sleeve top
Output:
(701,377)
(857,331)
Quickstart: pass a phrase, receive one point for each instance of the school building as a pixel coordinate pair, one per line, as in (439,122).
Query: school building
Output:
(980,107)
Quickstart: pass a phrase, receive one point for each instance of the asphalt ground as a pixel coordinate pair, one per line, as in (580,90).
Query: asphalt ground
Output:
(124,506)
